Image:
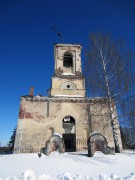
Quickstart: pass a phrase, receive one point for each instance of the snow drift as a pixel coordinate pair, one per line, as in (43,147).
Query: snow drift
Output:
(67,167)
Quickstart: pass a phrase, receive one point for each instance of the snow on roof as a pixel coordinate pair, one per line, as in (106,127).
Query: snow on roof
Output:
(68,74)
(64,95)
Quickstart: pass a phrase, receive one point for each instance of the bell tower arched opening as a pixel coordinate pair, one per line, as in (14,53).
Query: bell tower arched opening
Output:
(68,59)
(68,62)
(69,134)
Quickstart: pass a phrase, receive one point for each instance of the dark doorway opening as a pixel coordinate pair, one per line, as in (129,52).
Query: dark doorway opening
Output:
(69,135)
(70,142)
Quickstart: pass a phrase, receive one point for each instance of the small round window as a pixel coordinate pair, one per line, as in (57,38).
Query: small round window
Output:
(68,86)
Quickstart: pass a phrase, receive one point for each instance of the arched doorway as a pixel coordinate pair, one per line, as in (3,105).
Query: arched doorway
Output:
(69,134)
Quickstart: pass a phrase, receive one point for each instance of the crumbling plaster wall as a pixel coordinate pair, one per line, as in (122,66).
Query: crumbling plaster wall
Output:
(36,117)
(40,114)
(78,83)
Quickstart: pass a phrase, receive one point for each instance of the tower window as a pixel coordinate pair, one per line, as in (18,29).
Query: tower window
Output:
(68,60)
(68,86)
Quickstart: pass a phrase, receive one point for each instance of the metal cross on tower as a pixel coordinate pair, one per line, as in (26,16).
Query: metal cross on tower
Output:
(60,35)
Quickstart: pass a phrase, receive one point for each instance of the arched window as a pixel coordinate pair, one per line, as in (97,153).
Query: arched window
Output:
(68,60)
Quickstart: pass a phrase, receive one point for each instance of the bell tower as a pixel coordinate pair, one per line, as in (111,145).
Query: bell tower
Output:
(67,80)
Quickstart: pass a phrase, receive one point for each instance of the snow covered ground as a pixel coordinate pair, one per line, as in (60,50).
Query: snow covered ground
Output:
(67,167)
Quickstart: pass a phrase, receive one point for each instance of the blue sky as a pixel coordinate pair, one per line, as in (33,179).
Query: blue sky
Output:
(26,43)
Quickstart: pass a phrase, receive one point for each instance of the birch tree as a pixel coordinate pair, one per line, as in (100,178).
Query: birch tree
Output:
(107,73)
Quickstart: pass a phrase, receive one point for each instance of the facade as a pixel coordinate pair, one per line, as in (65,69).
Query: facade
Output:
(66,110)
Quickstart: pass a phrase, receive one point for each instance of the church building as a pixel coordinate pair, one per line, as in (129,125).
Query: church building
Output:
(66,110)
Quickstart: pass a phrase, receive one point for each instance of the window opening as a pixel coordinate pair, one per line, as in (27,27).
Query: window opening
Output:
(68,60)
(68,86)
